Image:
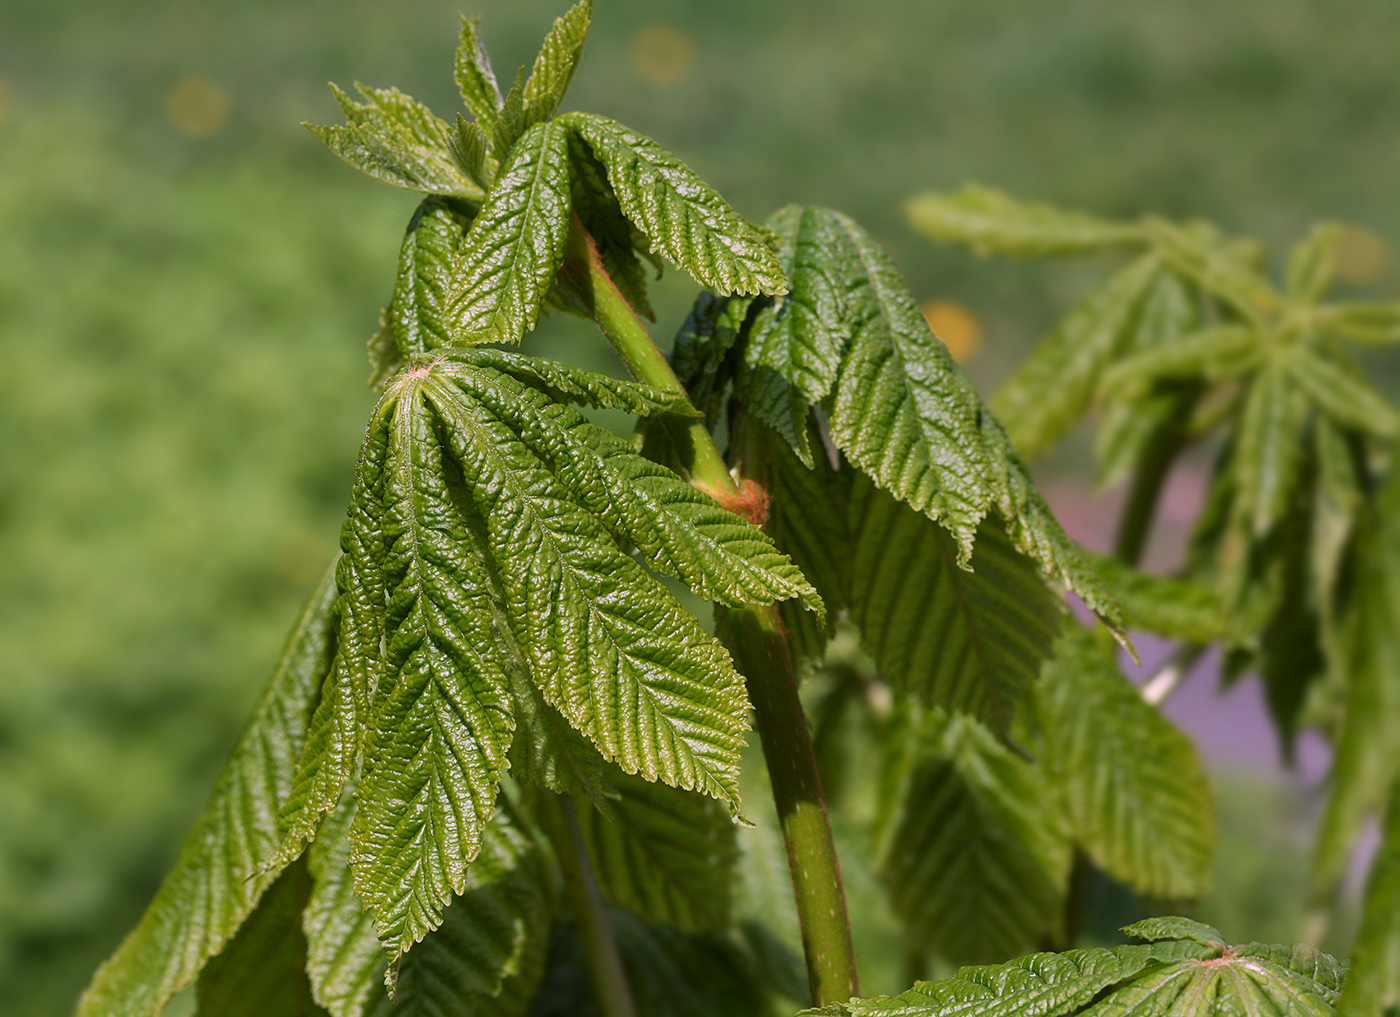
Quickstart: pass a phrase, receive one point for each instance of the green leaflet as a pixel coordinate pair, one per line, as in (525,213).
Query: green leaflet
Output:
(1184,977)
(1213,354)
(1226,269)
(666,855)
(262,970)
(475,78)
(1368,324)
(701,356)
(1345,397)
(902,410)
(977,858)
(970,641)
(794,347)
(684,219)
(1268,445)
(1134,791)
(227,859)
(425,281)
(1312,263)
(991,222)
(515,244)
(1053,387)
(617,240)
(554,67)
(1176,608)
(344,959)
(1367,746)
(396,139)
(1373,986)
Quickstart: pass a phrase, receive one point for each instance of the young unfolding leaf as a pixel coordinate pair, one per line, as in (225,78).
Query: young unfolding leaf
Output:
(261,972)
(1368,324)
(226,862)
(1168,978)
(1344,396)
(1133,787)
(977,860)
(396,139)
(1312,263)
(1227,269)
(666,855)
(991,222)
(1268,446)
(684,218)
(515,244)
(554,67)
(475,78)
(1215,354)
(1053,387)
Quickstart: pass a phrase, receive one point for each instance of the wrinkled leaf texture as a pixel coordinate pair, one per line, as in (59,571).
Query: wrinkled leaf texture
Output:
(1187,977)
(492,528)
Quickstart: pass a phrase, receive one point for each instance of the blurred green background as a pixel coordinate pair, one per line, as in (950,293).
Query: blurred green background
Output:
(187,282)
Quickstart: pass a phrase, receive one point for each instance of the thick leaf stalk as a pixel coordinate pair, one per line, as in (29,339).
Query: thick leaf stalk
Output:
(755,638)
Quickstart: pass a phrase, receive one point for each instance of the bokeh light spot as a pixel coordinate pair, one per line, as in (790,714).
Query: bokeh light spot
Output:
(1362,256)
(959,328)
(662,54)
(197,108)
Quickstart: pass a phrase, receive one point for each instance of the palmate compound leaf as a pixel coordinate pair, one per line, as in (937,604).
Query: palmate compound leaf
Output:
(850,336)
(486,958)
(683,217)
(492,526)
(227,861)
(396,139)
(975,855)
(666,855)
(1132,785)
(1171,977)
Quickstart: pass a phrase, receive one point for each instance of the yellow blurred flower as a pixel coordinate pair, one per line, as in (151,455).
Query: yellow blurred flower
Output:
(958,327)
(197,108)
(1362,256)
(662,54)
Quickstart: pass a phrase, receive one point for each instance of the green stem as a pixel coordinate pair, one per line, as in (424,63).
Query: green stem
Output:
(760,650)
(590,916)
(755,636)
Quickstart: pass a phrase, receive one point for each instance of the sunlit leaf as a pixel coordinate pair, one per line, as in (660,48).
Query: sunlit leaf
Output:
(991,222)
(554,67)
(475,78)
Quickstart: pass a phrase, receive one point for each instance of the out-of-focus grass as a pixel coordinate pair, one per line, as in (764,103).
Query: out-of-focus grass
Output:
(183,308)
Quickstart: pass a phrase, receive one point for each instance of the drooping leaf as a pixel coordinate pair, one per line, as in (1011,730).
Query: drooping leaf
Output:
(1368,324)
(489,953)
(262,970)
(1183,977)
(515,245)
(554,67)
(1373,986)
(1268,446)
(396,139)
(1348,399)
(226,862)
(685,220)
(666,855)
(1175,608)
(1367,746)
(475,78)
(1134,791)
(1053,387)
(971,641)
(978,859)
(994,223)
(344,959)
(902,410)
